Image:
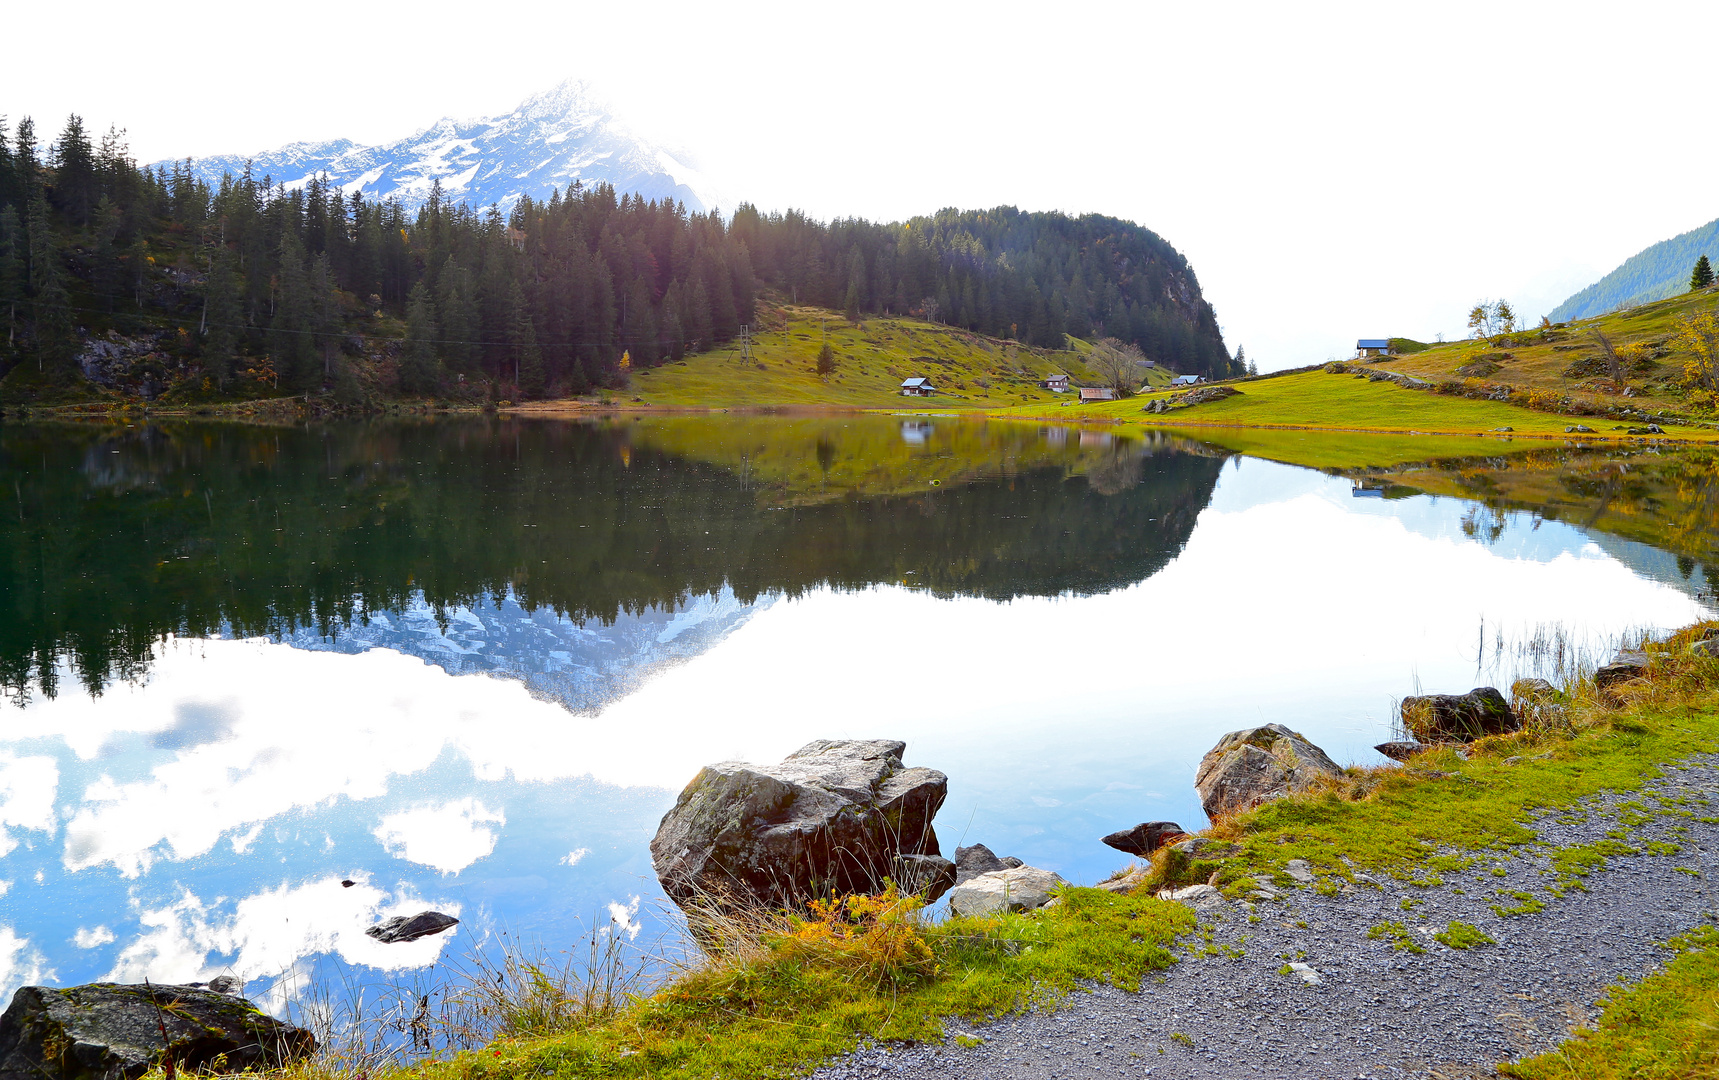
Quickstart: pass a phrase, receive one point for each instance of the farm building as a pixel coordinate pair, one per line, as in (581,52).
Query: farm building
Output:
(1373,346)
(1186,380)
(1097,393)
(918,386)
(1055,382)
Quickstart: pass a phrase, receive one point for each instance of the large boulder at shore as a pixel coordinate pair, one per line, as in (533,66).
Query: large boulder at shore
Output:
(411,928)
(1020,888)
(835,817)
(1256,765)
(1434,718)
(109,1031)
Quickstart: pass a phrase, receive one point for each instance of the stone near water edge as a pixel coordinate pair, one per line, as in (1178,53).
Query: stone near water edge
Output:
(1630,664)
(1401,750)
(978,859)
(109,1031)
(1535,690)
(1578,429)
(1458,717)
(1023,888)
(835,817)
(1256,765)
(403,928)
(1144,838)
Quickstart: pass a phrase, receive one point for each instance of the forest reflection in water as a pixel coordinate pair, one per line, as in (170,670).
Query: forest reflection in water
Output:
(240,656)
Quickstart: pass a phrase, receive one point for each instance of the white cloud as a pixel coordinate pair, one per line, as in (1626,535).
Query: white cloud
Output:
(21,964)
(623,917)
(267,933)
(572,857)
(27,789)
(90,939)
(448,838)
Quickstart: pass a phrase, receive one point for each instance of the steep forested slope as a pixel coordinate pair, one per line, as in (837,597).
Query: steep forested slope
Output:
(150,283)
(1652,274)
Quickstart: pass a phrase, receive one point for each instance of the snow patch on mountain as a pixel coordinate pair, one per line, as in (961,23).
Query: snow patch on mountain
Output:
(551,141)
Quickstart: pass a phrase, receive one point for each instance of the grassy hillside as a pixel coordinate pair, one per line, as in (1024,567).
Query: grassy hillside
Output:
(1655,273)
(872,358)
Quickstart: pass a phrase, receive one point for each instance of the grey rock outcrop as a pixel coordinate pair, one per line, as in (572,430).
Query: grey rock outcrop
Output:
(978,859)
(835,817)
(110,1031)
(1021,888)
(1145,838)
(1629,664)
(1256,765)
(1458,717)
(411,928)
(1535,690)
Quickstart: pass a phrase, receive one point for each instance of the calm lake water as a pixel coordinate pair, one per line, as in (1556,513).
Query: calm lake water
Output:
(467,664)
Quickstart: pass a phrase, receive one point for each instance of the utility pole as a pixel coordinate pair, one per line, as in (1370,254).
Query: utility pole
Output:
(746,343)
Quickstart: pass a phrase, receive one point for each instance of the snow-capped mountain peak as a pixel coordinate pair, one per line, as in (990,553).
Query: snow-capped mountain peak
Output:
(565,134)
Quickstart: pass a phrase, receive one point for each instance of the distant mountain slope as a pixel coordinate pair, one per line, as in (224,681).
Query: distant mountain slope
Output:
(551,140)
(1654,274)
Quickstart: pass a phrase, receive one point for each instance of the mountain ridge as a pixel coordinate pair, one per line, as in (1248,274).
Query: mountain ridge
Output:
(1656,272)
(564,135)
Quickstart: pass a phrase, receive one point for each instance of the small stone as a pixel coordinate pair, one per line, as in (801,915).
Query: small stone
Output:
(1197,895)
(1145,838)
(230,985)
(1401,750)
(1534,690)
(1503,429)
(1629,665)
(1299,870)
(1307,974)
(1708,648)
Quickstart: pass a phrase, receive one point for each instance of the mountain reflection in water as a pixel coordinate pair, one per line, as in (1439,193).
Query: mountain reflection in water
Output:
(466,663)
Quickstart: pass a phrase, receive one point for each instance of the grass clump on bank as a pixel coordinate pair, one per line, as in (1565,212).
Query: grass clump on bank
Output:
(787,994)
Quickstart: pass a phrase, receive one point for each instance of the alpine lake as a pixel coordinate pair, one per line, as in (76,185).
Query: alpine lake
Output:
(266,686)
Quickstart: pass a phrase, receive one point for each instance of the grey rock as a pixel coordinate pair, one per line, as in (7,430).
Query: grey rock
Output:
(1401,750)
(1299,870)
(1458,717)
(978,859)
(834,817)
(1256,765)
(1306,974)
(1145,838)
(1629,665)
(1196,895)
(1023,888)
(110,1031)
(1535,690)
(1128,882)
(1578,429)
(410,928)
(1503,429)
(1708,647)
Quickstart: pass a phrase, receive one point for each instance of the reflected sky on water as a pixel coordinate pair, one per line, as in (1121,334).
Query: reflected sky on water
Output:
(1063,626)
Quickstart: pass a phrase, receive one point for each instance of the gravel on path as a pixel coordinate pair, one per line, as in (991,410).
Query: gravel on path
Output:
(1370,1009)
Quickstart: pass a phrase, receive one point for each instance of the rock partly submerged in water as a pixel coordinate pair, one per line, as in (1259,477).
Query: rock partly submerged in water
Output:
(1256,765)
(835,817)
(411,927)
(1021,888)
(1458,717)
(1145,838)
(111,1031)
(970,862)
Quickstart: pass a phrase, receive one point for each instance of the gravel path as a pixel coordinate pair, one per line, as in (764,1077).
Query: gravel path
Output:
(1376,1012)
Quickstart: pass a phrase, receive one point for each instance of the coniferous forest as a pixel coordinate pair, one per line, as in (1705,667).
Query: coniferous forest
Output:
(152,283)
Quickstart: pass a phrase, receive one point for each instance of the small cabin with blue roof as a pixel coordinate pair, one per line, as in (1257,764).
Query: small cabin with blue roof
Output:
(918,386)
(1373,346)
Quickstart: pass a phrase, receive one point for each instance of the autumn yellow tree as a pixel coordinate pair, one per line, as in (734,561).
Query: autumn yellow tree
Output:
(1699,337)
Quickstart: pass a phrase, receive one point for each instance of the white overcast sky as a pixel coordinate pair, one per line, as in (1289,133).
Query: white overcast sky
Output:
(1331,170)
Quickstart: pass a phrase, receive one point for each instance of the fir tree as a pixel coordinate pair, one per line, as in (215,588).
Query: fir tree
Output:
(522,344)
(221,314)
(12,278)
(419,372)
(1702,275)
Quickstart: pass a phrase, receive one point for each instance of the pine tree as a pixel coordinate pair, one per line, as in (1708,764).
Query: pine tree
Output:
(419,372)
(12,278)
(292,342)
(522,343)
(222,310)
(1702,275)
(74,172)
(856,285)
